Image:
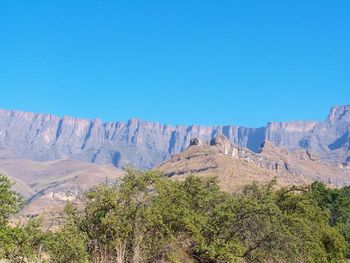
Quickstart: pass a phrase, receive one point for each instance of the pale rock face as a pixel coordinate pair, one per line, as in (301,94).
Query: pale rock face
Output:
(339,114)
(43,137)
(224,145)
(61,196)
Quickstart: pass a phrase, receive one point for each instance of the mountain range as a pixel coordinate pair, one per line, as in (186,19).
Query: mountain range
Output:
(54,159)
(45,137)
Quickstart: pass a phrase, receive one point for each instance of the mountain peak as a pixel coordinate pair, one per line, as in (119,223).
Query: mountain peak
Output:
(219,140)
(339,113)
(266,146)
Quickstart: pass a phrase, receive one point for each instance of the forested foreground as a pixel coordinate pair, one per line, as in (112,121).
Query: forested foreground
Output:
(148,218)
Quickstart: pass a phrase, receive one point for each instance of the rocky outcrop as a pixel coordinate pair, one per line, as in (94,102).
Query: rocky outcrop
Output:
(215,158)
(195,141)
(43,137)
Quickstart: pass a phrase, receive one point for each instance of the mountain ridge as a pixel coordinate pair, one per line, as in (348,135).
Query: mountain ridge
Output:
(143,144)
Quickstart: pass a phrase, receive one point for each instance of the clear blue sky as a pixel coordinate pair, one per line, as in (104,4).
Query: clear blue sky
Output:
(179,62)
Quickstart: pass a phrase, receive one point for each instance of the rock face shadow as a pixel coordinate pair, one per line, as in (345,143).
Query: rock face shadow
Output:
(340,142)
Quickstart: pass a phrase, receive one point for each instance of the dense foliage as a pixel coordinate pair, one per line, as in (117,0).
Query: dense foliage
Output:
(336,202)
(148,218)
(19,243)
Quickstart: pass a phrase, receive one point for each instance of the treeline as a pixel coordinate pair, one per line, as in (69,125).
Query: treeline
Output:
(148,218)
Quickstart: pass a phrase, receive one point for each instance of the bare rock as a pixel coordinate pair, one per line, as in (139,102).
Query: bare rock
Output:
(195,141)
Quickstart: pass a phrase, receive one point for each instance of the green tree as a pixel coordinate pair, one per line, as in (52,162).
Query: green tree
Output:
(120,222)
(18,243)
(10,201)
(335,202)
(67,245)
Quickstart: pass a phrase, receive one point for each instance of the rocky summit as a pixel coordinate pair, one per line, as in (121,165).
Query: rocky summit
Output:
(44,137)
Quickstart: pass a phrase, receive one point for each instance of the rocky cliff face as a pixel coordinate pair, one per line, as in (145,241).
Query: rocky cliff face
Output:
(330,139)
(43,137)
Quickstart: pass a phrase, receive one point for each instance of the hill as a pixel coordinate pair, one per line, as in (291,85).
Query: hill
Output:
(236,166)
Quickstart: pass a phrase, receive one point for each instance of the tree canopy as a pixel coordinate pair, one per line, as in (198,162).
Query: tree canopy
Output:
(147,217)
